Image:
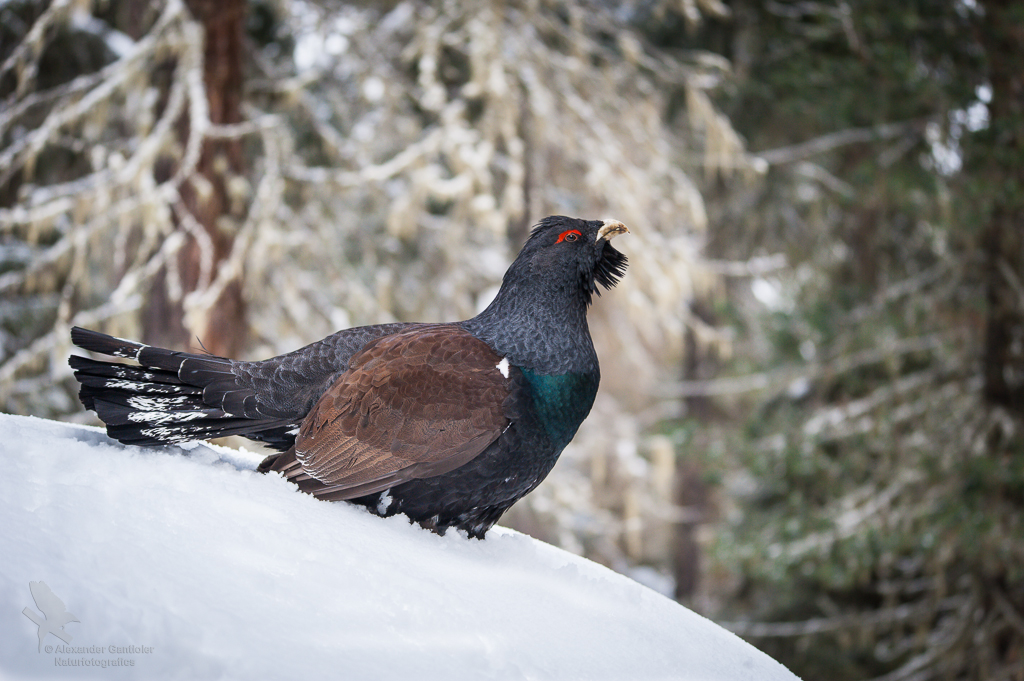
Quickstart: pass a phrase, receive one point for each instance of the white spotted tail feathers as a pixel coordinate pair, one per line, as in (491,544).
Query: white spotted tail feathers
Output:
(169,397)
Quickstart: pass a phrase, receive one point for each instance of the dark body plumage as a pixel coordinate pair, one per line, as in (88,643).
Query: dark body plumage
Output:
(450,424)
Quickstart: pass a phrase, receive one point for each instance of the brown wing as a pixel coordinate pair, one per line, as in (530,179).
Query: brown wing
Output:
(411,405)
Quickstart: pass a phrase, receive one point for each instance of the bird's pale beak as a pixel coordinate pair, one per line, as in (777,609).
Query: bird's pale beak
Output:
(611,229)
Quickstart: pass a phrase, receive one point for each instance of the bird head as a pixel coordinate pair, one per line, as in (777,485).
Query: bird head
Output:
(573,254)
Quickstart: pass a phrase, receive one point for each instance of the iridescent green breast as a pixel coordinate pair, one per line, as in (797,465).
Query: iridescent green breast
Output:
(562,402)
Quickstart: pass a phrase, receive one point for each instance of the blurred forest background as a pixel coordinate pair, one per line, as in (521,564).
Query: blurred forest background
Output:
(811,420)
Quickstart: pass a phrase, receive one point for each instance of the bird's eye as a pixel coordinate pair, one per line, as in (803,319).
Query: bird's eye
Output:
(570,235)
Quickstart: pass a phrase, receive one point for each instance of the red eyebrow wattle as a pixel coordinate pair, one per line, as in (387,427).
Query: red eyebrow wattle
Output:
(561,237)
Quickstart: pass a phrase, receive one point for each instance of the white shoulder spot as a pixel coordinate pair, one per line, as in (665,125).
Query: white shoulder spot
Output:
(502,366)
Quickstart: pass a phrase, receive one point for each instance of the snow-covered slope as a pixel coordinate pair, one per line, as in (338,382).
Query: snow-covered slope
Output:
(191,565)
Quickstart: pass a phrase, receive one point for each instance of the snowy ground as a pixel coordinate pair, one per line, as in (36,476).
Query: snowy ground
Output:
(191,565)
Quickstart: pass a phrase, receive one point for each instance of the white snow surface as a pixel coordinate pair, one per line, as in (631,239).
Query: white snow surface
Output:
(216,571)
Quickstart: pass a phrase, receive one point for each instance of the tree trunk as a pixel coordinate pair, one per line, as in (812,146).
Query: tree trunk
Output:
(1003,360)
(205,196)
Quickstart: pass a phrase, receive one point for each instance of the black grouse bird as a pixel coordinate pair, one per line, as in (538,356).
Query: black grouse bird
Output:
(449,424)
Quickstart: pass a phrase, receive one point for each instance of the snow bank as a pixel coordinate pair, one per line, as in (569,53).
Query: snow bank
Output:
(188,564)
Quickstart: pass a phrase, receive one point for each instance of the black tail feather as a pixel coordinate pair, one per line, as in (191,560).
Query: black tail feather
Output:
(151,434)
(104,344)
(119,408)
(125,372)
(100,378)
(170,396)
